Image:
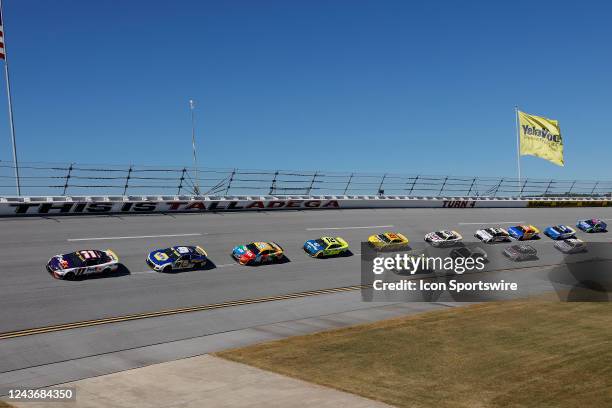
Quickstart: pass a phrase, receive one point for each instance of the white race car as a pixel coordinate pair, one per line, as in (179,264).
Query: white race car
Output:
(85,262)
(491,235)
(443,238)
(571,246)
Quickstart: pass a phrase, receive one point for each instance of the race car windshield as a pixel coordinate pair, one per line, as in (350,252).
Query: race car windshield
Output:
(321,242)
(253,248)
(74,261)
(441,235)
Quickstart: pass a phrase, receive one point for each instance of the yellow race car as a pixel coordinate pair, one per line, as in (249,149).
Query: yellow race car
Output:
(388,241)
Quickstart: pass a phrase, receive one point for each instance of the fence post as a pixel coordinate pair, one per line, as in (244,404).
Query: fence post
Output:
(67,179)
(273,185)
(413,184)
(523,187)
(348,183)
(501,181)
(380,186)
(571,187)
(229,182)
(471,186)
(181,181)
(127,180)
(314,177)
(594,188)
(443,185)
(548,187)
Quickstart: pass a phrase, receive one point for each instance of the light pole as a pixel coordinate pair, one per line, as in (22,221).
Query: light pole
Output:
(3,55)
(193,145)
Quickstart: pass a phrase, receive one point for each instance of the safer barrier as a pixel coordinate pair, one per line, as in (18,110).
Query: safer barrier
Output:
(33,206)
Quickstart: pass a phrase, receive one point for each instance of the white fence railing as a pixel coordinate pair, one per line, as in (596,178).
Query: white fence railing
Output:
(82,179)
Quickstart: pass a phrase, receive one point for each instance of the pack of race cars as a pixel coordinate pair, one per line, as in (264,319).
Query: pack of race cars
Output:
(87,262)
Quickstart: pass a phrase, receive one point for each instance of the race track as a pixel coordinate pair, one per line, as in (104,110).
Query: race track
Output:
(31,298)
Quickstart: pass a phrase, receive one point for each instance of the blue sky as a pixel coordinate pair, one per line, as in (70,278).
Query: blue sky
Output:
(384,86)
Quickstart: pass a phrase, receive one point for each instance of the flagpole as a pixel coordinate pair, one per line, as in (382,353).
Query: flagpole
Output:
(193,146)
(10,105)
(518,150)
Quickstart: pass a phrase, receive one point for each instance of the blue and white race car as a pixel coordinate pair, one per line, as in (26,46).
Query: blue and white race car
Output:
(592,225)
(558,232)
(177,258)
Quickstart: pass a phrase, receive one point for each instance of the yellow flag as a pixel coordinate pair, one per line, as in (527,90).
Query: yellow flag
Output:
(540,137)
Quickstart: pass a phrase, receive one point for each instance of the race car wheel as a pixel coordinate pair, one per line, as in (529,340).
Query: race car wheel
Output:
(167,269)
(69,276)
(106,271)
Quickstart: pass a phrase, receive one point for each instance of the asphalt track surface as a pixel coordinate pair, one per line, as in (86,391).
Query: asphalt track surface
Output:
(31,298)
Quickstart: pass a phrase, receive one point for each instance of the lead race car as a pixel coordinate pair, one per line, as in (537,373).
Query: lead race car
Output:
(258,253)
(84,262)
(177,258)
(326,246)
(443,238)
(560,232)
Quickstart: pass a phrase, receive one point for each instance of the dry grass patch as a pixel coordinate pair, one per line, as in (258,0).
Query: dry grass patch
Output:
(506,354)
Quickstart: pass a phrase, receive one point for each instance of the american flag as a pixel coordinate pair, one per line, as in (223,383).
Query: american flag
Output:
(2,56)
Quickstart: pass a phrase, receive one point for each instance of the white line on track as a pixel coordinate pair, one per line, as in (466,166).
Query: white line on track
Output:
(133,237)
(494,222)
(345,228)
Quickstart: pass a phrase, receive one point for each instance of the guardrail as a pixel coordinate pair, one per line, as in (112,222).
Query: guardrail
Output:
(82,179)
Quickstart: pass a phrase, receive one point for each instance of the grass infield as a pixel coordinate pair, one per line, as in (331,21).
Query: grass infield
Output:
(504,354)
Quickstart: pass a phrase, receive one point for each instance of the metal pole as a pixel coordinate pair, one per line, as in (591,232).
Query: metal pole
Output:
(348,184)
(193,145)
(10,106)
(518,149)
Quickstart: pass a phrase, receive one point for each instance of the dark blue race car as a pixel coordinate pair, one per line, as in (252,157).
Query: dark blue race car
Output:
(592,225)
(176,258)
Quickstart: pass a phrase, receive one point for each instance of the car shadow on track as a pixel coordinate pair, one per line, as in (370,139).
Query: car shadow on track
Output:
(345,254)
(281,261)
(122,270)
(209,265)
